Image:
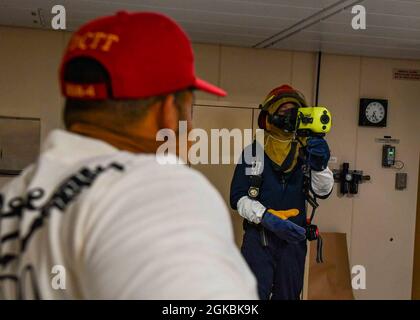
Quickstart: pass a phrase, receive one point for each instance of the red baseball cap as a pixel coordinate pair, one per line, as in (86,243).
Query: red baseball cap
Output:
(146,54)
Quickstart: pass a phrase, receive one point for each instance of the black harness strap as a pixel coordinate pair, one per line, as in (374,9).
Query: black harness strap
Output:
(312,231)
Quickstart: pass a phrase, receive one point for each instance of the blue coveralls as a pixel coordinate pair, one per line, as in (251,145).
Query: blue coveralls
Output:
(278,267)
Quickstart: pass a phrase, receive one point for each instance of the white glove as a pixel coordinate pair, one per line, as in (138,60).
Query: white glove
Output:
(322,182)
(252,210)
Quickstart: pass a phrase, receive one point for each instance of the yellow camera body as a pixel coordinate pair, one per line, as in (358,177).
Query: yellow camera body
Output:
(313,121)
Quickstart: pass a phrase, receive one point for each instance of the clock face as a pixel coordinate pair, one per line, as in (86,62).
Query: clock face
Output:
(375,112)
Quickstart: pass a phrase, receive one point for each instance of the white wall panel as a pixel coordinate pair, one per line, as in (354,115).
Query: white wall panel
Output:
(249,74)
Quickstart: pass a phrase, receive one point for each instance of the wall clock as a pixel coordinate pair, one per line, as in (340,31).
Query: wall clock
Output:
(373,112)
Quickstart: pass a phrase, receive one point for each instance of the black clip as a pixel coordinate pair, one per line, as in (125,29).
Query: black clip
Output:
(312,233)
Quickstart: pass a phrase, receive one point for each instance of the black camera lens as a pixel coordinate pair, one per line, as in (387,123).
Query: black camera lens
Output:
(325,119)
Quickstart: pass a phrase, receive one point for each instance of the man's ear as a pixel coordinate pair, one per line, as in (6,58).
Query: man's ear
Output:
(169,114)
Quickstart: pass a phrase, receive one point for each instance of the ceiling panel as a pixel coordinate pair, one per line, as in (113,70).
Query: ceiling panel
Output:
(393,30)
(18,17)
(373,31)
(393,26)
(351,49)
(375,19)
(359,39)
(227,20)
(240,41)
(393,7)
(227,8)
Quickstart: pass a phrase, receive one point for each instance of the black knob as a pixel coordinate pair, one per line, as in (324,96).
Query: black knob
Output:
(325,119)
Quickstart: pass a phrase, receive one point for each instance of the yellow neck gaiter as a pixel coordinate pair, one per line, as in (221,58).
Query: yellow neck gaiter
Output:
(278,144)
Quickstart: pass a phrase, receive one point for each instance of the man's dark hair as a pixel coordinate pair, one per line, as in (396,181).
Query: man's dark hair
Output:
(110,113)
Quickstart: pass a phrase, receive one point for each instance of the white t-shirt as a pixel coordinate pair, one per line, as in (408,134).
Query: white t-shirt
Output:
(88,221)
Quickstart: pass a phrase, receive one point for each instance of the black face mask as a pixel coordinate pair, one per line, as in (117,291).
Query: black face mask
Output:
(286,121)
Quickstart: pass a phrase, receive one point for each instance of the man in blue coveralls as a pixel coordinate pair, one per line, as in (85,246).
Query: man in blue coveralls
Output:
(272,200)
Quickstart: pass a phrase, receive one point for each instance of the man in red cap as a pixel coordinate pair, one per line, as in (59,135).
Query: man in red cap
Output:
(97,216)
(272,199)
